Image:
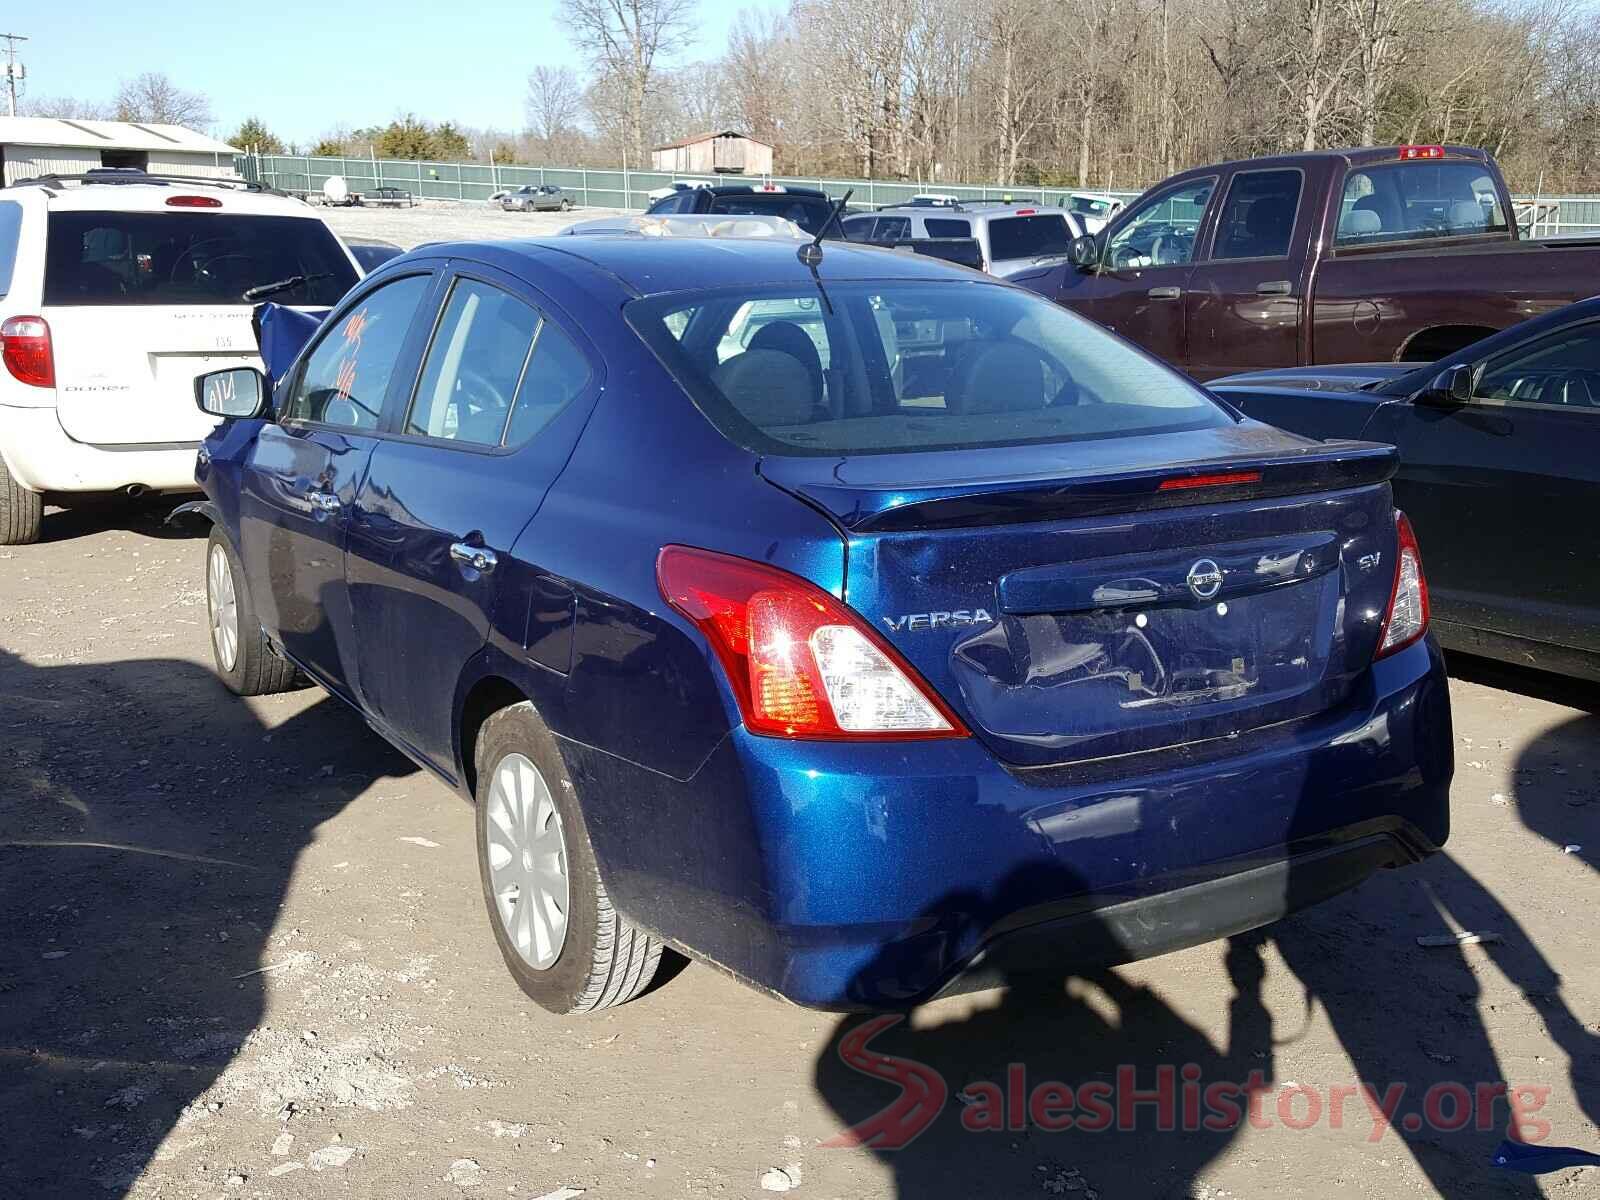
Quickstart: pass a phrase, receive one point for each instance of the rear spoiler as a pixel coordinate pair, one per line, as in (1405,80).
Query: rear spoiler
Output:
(872,508)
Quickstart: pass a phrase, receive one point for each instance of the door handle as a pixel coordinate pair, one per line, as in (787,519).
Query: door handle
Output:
(1275,287)
(480,558)
(1165,293)
(323,501)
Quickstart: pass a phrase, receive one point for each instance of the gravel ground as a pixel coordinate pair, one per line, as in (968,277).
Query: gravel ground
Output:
(441,222)
(244,956)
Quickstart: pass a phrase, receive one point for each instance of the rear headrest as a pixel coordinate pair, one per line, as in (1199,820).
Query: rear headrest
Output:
(1468,214)
(1360,221)
(997,377)
(768,387)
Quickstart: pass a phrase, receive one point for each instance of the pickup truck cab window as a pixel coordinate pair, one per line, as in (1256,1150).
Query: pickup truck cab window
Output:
(346,374)
(1161,232)
(1258,217)
(1402,201)
(1561,370)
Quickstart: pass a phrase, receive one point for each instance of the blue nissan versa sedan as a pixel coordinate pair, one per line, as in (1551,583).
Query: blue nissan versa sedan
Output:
(856,623)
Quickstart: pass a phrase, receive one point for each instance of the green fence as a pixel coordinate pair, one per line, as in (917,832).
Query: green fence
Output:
(1550,216)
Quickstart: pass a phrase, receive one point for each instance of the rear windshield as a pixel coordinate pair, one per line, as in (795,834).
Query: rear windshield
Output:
(808,212)
(904,366)
(194,257)
(1028,237)
(1398,202)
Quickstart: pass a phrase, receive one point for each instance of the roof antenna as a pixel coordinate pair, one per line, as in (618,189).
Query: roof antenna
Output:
(811,253)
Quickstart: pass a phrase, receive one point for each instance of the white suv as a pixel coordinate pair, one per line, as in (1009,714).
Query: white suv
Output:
(116,291)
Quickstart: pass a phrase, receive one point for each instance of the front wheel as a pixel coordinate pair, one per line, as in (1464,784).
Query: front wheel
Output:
(21,512)
(245,660)
(564,944)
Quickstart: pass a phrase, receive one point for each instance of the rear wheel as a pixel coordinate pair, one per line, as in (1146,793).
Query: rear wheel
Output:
(245,659)
(21,512)
(564,944)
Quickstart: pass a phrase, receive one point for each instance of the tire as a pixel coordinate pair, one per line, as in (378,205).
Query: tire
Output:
(256,668)
(566,206)
(21,512)
(600,959)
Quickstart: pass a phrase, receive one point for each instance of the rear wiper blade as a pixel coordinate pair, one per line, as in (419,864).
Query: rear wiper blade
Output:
(262,290)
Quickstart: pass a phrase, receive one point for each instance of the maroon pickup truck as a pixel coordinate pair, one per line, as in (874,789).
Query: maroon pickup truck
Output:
(1386,254)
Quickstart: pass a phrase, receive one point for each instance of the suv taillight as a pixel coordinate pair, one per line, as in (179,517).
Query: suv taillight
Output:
(27,351)
(802,665)
(1407,617)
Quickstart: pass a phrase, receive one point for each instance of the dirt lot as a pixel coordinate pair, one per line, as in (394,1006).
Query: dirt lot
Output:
(244,956)
(437,222)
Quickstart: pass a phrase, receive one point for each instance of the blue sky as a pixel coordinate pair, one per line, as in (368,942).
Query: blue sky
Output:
(304,66)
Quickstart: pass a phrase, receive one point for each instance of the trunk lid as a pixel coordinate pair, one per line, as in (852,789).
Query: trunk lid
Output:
(125,376)
(1069,607)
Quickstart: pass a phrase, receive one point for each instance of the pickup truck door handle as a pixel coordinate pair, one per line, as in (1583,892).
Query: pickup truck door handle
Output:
(1165,293)
(323,501)
(480,558)
(1275,287)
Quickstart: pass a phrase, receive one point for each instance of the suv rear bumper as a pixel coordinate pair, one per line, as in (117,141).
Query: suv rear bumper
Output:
(42,458)
(878,875)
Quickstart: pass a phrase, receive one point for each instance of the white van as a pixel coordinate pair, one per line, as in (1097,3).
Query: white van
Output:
(1013,237)
(116,290)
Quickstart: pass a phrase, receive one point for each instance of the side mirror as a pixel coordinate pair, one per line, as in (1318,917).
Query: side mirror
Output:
(1084,253)
(1451,388)
(239,392)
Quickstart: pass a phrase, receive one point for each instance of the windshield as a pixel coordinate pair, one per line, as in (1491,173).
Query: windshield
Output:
(1028,237)
(902,366)
(95,258)
(1088,206)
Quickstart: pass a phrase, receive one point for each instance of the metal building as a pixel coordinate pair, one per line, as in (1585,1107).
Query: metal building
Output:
(31,146)
(724,152)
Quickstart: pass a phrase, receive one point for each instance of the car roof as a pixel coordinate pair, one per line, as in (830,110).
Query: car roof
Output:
(745,189)
(647,266)
(127,196)
(972,208)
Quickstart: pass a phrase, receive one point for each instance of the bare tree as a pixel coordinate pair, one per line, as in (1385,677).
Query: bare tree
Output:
(65,106)
(155,99)
(624,39)
(554,102)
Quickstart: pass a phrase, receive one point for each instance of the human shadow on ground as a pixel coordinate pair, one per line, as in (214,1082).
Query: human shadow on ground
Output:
(148,833)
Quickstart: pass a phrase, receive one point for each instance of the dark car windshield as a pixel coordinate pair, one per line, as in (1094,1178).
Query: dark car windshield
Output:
(1028,237)
(198,257)
(907,366)
(808,212)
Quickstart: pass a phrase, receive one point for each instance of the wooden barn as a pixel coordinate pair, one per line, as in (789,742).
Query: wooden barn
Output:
(720,152)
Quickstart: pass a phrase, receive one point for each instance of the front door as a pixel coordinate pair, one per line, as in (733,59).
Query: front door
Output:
(300,481)
(1501,492)
(462,469)
(1145,267)
(1244,301)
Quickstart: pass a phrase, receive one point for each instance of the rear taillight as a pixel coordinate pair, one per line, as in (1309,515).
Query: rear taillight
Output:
(1407,618)
(801,664)
(27,352)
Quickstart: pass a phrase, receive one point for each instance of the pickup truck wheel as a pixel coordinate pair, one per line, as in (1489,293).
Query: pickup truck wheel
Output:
(21,512)
(564,944)
(246,661)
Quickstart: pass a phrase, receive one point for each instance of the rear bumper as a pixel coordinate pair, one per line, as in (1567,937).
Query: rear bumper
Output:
(878,876)
(41,457)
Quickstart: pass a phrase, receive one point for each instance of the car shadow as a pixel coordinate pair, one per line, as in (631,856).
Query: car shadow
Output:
(146,517)
(149,829)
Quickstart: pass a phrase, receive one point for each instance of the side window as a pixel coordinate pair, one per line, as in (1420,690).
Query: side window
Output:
(1258,216)
(940,227)
(1161,231)
(556,376)
(10,231)
(475,363)
(892,228)
(347,373)
(859,229)
(1562,369)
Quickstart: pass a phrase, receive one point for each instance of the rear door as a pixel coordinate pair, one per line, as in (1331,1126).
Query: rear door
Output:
(1145,267)
(1244,302)
(140,303)
(434,565)
(300,481)
(1502,491)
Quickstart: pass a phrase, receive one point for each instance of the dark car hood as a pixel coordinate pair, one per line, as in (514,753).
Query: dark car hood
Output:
(1344,377)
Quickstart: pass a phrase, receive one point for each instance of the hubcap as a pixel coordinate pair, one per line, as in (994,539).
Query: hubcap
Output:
(223,602)
(527,861)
